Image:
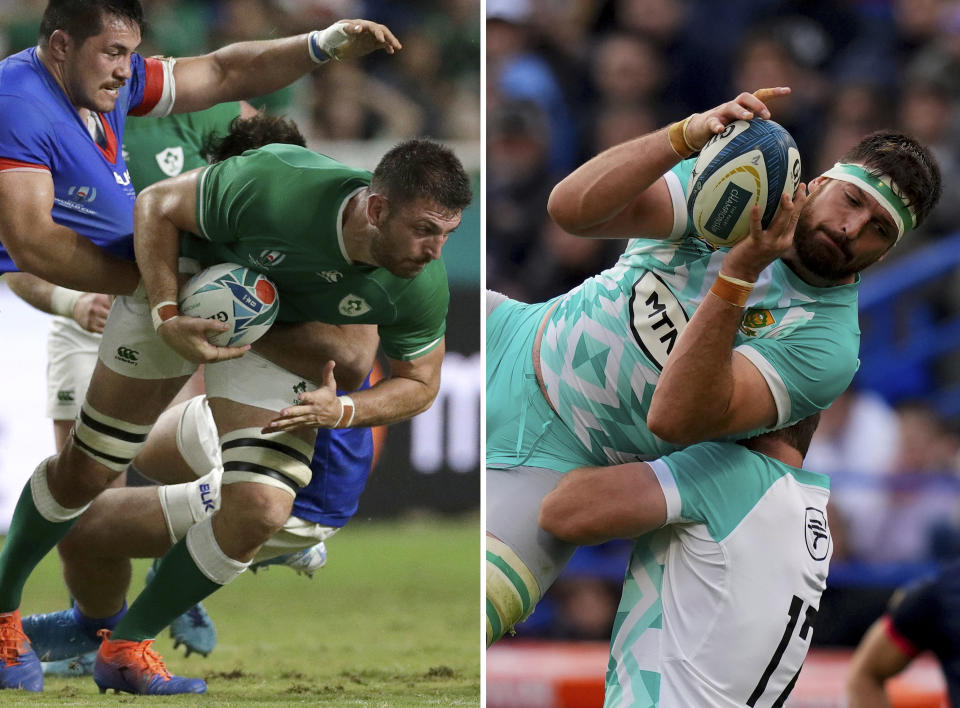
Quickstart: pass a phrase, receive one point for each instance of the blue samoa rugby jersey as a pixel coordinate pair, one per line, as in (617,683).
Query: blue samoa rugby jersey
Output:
(340,465)
(606,341)
(40,130)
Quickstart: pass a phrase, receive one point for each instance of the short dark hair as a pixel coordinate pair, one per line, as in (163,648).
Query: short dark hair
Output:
(423,168)
(82,19)
(797,436)
(250,133)
(910,165)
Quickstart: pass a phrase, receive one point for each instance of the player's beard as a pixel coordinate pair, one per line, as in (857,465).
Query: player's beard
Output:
(816,256)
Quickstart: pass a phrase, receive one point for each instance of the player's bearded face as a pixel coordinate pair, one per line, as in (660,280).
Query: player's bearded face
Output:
(411,236)
(830,252)
(97,69)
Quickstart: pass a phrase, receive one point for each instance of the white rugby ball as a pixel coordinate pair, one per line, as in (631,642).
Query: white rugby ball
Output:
(242,298)
(750,162)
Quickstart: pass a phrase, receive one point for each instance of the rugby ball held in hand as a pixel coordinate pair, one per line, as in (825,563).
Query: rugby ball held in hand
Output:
(242,298)
(750,162)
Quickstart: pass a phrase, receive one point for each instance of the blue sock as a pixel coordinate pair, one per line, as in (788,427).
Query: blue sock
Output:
(92,625)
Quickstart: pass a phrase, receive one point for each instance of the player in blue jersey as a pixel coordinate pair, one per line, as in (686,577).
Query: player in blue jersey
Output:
(678,343)
(66,216)
(924,616)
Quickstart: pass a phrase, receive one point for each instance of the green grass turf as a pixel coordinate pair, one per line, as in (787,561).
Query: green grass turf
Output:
(393,620)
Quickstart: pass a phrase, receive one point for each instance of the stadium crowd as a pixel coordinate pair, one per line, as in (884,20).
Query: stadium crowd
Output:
(567,80)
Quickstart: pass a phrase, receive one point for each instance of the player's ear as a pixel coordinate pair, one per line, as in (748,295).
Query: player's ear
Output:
(58,44)
(377,209)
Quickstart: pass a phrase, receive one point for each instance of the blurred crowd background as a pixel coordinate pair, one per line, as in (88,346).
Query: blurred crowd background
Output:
(567,79)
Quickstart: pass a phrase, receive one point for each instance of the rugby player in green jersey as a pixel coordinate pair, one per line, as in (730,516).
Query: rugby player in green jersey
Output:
(678,343)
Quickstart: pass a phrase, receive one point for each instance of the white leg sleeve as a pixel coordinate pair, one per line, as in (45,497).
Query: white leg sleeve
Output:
(210,559)
(189,503)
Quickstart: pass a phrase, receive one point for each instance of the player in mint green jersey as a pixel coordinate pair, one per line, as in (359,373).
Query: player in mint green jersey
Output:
(678,343)
(725,578)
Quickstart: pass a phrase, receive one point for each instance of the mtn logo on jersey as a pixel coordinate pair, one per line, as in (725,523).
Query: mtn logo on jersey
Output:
(82,194)
(818,538)
(656,318)
(353,306)
(754,320)
(170,161)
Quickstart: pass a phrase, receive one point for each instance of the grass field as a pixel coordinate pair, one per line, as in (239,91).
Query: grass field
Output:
(393,620)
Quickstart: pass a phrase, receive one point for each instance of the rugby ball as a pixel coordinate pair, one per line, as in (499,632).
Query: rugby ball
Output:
(242,298)
(750,162)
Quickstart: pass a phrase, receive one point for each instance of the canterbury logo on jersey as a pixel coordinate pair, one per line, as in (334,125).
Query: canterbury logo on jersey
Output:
(128,355)
(656,318)
(818,537)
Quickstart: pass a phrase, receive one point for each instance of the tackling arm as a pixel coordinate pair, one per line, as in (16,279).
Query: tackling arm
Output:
(620,193)
(595,504)
(246,69)
(55,253)
(876,659)
(89,310)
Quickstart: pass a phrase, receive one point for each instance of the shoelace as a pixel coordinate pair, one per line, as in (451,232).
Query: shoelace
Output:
(139,654)
(11,637)
(152,659)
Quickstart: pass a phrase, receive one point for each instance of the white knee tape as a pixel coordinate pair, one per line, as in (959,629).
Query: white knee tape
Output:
(197,437)
(110,441)
(187,504)
(49,508)
(278,459)
(210,559)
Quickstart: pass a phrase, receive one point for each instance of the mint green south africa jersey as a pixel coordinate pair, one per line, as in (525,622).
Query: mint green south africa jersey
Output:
(606,341)
(717,606)
(279,210)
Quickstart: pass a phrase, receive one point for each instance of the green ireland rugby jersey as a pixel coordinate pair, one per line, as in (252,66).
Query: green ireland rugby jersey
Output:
(279,210)
(717,606)
(606,341)
(158,148)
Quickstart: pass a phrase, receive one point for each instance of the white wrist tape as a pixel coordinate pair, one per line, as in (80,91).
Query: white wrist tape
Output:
(164,312)
(323,44)
(347,410)
(63,300)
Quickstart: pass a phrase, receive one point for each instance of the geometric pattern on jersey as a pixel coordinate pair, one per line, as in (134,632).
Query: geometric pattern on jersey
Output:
(721,601)
(605,343)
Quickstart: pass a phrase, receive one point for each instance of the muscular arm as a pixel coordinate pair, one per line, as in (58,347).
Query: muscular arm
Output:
(621,193)
(410,389)
(595,504)
(247,69)
(55,253)
(706,389)
(876,659)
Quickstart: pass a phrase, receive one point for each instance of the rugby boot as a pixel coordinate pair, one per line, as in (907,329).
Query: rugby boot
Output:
(305,562)
(64,634)
(19,665)
(194,629)
(134,667)
(67,668)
